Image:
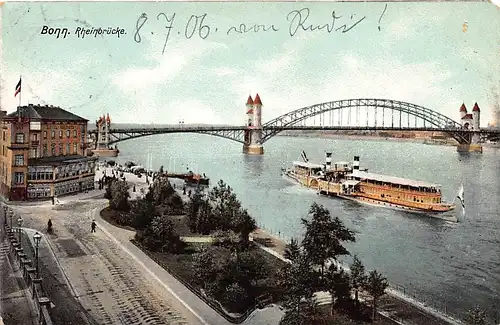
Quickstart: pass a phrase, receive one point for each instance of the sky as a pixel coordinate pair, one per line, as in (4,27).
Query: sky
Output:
(437,55)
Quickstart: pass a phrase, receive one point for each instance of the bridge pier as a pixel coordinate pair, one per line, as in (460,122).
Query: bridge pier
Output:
(253,149)
(469,147)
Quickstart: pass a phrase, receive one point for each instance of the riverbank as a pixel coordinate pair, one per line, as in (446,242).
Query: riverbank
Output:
(394,305)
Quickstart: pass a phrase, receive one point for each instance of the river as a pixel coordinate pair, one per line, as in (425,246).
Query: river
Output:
(452,264)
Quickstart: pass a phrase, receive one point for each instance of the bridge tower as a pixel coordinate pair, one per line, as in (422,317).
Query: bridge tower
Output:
(471,122)
(103,125)
(253,133)
(476,121)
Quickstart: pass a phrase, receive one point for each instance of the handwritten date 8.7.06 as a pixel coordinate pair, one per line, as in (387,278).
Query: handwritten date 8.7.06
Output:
(195,25)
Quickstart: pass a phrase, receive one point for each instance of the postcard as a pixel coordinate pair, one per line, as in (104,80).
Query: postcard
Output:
(250,162)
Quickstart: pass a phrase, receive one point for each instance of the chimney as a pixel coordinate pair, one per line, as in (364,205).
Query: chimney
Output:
(355,165)
(328,160)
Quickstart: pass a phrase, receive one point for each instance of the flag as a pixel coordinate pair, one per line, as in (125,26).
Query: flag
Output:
(460,195)
(18,88)
(304,156)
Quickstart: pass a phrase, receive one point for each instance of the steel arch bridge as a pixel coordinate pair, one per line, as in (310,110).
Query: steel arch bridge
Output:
(353,114)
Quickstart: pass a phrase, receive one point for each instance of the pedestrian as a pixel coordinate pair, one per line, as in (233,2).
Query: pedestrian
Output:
(53,201)
(93,226)
(49,226)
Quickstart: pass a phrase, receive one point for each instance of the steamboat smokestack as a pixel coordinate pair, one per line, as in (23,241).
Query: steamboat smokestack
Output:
(328,160)
(355,165)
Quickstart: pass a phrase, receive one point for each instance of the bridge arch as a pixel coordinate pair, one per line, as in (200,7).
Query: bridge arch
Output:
(119,135)
(435,119)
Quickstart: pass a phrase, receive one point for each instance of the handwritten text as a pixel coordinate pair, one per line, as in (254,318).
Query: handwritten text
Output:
(204,26)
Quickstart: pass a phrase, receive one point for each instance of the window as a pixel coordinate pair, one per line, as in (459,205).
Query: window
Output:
(19,137)
(75,148)
(68,148)
(52,149)
(60,148)
(19,160)
(60,134)
(45,150)
(19,178)
(45,134)
(75,133)
(68,133)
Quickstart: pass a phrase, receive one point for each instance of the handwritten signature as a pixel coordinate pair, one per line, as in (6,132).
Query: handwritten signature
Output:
(298,19)
(201,25)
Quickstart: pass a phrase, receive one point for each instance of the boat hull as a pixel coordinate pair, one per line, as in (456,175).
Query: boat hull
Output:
(431,213)
(106,152)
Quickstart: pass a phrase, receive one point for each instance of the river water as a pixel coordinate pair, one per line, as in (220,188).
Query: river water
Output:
(452,264)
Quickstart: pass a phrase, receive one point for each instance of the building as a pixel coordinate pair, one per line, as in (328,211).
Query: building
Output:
(43,154)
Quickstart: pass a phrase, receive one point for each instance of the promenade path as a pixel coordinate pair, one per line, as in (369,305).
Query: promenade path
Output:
(115,282)
(15,305)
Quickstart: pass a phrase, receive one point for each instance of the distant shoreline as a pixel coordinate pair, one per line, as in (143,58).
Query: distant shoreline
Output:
(366,137)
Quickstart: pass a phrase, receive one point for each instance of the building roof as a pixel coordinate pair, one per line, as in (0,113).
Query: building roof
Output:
(476,108)
(58,160)
(257,100)
(307,164)
(46,113)
(391,179)
(467,117)
(463,108)
(249,100)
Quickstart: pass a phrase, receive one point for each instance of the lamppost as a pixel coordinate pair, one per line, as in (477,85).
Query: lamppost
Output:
(37,237)
(5,215)
(11,214)
(19,223)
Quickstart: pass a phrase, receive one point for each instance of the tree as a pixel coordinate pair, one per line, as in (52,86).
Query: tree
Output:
(358,277)
(192,208)
(206,266)
(476,316)
(376,285)
(119,195)
(235,296)
(175,204)
(296,279)
(225,206)
(250,268)
(244,225)
(160,236)
(161,190)
(142,212)
(227,239)
(337,284)
(324,236)
(292,250)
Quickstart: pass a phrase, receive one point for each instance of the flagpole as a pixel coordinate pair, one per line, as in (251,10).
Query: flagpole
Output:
(20,79)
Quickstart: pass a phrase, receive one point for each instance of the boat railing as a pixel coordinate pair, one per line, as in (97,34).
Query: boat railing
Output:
(402,190)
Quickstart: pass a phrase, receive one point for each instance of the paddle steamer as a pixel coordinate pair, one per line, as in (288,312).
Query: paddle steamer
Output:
(345,180)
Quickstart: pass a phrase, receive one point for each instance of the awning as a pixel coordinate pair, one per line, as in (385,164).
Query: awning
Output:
(350,182)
